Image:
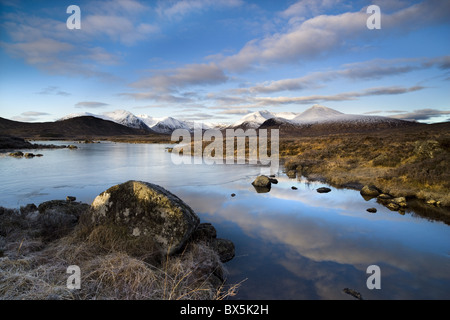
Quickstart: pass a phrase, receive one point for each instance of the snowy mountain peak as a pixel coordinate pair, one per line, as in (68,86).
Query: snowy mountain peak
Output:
(125,118)
(317,113)
(255,119)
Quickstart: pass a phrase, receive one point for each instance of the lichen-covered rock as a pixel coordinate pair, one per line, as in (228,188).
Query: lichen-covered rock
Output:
(401,201)
(370,191)
(146,209)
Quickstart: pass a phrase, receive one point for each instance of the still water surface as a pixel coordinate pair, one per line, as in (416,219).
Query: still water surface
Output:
(290,244)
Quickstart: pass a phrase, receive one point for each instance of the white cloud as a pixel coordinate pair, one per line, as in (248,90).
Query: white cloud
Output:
(90,104)
(118,28)
(320,35)
(188,75)
(30,116)
(235,111)
(47,44)
(365,70)
(53,90)
(421,114)
(176,9)
(307,8)
(263,102)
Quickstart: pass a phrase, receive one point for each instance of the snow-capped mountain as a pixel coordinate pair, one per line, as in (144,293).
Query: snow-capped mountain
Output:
(164,125)
(161,125)
(255,119)
(321,114)
(122,117)
(82,114)
(125,118)
(317,114)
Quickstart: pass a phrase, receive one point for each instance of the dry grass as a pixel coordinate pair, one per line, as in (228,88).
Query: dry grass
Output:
(112,267)
(402,164)
(410,161)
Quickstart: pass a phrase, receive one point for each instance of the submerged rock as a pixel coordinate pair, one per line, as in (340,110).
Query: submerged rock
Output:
(323,190)
(146,210)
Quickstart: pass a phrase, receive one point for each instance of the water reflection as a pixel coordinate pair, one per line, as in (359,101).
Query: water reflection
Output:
(290,244)
(306,245)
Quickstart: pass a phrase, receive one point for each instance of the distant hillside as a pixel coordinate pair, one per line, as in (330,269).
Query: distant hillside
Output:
(324,128)
(79,127)
(320,120)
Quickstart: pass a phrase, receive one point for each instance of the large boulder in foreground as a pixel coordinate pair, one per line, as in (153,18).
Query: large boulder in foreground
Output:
(146,210)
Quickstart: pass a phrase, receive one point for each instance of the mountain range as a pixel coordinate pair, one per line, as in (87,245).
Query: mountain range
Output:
(317,114)
(316,120)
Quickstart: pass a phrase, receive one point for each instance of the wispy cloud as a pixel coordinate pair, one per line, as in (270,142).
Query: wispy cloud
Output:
(366,70)
(91,104)
(320,35)
(235,111)
(30,116)
(259,102)
(48,45)
(192,74)
(178,9)
(421,114)
(53,90)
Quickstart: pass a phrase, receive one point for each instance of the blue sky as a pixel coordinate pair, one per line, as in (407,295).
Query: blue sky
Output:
(217,60)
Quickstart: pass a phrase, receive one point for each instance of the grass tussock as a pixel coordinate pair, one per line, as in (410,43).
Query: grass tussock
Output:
(113,267)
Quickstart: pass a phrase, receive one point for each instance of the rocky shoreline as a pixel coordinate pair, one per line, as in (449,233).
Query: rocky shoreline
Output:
(136,221)
(429,209)
(13,147)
